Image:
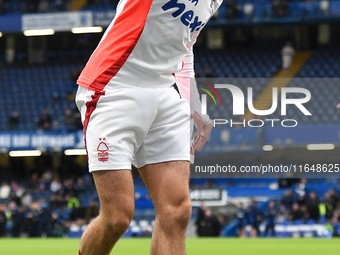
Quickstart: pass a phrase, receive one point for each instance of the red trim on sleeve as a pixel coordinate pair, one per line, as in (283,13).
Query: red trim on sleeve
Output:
(116,47)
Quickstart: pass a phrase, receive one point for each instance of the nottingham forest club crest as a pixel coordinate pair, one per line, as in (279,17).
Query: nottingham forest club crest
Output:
(102,149)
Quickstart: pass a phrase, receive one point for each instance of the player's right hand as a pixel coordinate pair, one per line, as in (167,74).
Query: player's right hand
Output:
(338,106)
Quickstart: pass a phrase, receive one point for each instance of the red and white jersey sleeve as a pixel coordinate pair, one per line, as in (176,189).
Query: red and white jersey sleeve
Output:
(183,78)
(146,43)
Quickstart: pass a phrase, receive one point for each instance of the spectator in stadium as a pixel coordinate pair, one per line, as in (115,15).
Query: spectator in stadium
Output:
(209,184)
(17,193)
(26,199)
(212,225)
(44,220)
(200,220)
(92,211)
(55,184)
(240,215)
(334,198)
(54,202)
(29,6)
(69,188)
(33,183)
(270,217)
(313,207)
(63,201)
(16,216)
(287,53)
(58,5)
(283,212)
(72,201)
(70,120)
(233,10)
(301,192)
(13,120)
(279,8)
(207,223)
(60,202)
(146,233)
(3,220)
(255,218)
(5,190)
(57,226)
(42,184)
(296,213)
(78,214)
(15,187)
(44,6)
(32,223)
(47,176)
(45,120)
(16,199)
(326,208)
(305,213)
(336,213)
(79,187)
(287,182)
(287,200)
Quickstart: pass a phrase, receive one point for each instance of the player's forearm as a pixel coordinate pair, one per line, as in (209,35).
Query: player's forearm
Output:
(186,83)
(185,76)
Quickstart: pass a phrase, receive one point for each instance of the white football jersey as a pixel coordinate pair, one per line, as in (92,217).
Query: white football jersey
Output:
(146,43)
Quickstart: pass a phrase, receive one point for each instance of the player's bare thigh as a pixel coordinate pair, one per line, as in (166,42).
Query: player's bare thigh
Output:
(116,192)
(167,182)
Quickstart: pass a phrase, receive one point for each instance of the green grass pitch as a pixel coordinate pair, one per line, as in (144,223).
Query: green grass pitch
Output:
(204,246)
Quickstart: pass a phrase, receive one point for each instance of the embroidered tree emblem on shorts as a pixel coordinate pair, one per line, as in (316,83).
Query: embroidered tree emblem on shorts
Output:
(102,149)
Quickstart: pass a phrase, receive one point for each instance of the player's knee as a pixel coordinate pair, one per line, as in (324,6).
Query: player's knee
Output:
(178,216)
(184,216)
(119,224)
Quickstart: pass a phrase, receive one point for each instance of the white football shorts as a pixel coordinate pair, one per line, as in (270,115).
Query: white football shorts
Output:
(131,125)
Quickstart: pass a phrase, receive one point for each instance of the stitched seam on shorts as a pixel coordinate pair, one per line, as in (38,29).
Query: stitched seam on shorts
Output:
(111,167)
(166,158)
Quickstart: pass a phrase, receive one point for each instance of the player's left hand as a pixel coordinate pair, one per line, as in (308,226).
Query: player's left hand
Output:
(338,106)
(199,126)
(207,130)
(203,132)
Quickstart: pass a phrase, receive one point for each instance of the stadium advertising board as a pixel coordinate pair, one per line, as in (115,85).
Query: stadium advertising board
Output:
(103,18)
(43,140)
(210,197)
(63,21)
